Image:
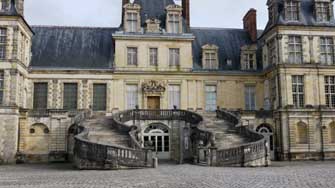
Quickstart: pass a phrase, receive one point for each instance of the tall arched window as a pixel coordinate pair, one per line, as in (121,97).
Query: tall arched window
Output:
(332,132)
(302,133)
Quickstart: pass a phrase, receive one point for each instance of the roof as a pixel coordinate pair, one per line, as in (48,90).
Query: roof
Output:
(72,47)
(154,9)
(306,17)
(229,42)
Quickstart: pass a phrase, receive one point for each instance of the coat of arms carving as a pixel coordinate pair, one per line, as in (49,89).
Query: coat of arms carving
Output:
(153,86)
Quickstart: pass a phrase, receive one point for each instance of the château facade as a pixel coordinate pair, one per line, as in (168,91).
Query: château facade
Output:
(281,80)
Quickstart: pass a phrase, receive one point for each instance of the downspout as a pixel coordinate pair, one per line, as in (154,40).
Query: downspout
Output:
(320,116)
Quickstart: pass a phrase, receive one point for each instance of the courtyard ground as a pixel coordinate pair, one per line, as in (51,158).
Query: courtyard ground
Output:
(281,174)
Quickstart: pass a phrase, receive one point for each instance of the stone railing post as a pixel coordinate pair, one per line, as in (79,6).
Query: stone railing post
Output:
(243,156)
(213,156)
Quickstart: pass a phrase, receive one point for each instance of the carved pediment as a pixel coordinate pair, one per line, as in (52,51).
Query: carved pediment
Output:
(153,86)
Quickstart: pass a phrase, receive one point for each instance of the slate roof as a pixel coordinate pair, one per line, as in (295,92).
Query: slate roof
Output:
(229,42)
(72,47)
(306,17)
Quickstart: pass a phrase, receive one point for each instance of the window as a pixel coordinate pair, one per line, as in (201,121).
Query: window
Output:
(174,96)
(298,91)
(295,50)
(302,133)
(174,56)
(4,4)
(3,41)
(210,60)
(1,86)
(132,56)
(330,91)
(250,97)
(210,98)
(332,132)
(292,10)
(327,50)
(249,61)
(174,23)
(99,97)
(153,56)
(70,96)
(272,15)
(132,96)
(132,21)
(272,52)
(322,11)
(40,95)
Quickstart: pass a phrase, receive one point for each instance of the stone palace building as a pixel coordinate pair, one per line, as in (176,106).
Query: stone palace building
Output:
(280,81)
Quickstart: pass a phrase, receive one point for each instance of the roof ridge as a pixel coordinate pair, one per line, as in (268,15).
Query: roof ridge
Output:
(74,27)
(217,28)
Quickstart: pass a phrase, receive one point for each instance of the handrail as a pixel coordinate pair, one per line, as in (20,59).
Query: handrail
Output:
(254,150)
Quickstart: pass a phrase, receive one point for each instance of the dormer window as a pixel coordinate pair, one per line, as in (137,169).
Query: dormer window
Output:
(132,18)
(4,5)
(322,11)
(272,14)
(292,10)
(210,56)
(248,57)
(173,21)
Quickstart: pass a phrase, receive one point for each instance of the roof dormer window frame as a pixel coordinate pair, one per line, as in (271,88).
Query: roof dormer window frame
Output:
(174,19)
(210,57)
(4,5)
(323,10)
(292,10)
(132,18)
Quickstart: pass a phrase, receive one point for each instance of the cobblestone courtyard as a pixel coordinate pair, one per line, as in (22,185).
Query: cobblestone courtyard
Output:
(295,175)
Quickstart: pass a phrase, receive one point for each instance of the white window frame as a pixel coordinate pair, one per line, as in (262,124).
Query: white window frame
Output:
(4,5)
(153,56)
(132,21)
(295,53)
(132,56)
(249,61)
(210,59)
(327,50)
(210,97)
(174,56)
(298,91)
(174,96)
(292,10)
(174,23)
(132,96)
(3,42)
(250,97)
(322,11)
(330,91)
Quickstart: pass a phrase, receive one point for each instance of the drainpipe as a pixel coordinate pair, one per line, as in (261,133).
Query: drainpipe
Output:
(320,117)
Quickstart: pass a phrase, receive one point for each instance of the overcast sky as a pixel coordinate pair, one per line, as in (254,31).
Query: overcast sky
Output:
(107,13)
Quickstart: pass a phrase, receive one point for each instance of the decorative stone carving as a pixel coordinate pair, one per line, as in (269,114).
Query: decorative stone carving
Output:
(153,86)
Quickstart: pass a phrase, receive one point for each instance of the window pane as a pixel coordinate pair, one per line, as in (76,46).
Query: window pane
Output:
(250,98)
(210,98)
(70,96)
(99,97)
(132,96)
(174,96)
(174,56)
(153,56)
(3,41)
(40,96)
(298,91)
(1,86)
(132,56)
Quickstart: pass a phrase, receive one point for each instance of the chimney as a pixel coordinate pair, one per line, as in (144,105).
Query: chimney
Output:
(250,24)
(186,12)
(124,2)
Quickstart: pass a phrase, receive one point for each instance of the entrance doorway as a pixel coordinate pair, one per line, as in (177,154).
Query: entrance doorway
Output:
(154,103)
(157,136)
(267,132)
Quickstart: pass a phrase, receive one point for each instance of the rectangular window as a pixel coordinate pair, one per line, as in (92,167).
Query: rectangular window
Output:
(210,98)
(153,56)
(250,97)
(327,50)
(174,57)
(2,87)
(132,56)
(174,96)
(3,41)
(249,61)
(322,11)
(295,50)
(174,23)
(210,60)
(4,5)
(40,96)
(272,52)
(132,21)
(132,96)
(70,96)
(330,91)
(292,10)
(99,97)
(298,91)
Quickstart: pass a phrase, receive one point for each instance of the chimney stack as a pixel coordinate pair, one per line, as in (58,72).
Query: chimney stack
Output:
(186,12)
(250,24)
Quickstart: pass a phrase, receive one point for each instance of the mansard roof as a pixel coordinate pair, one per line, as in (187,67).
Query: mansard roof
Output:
(229,42)
(72,47)
(307,17)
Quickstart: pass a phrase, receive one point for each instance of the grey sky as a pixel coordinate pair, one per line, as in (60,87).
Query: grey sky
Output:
(106,13)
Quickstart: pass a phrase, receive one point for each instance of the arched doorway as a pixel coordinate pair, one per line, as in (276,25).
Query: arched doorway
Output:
(267,132)
(38,141)
(157,135)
